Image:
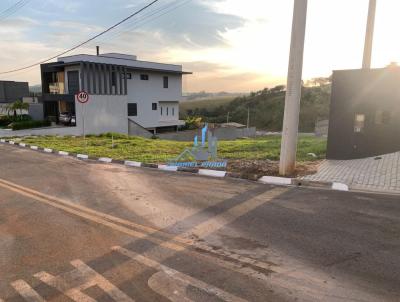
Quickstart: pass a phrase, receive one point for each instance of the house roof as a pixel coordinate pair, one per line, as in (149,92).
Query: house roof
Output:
(128,61)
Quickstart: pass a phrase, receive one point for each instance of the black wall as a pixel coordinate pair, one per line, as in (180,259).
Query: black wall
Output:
(374,93)
(13,91)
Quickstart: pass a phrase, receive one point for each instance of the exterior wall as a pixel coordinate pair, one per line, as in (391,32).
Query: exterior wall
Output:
(70,68)
(136,130)
(144,93)
(36,112)
(172,108)
(364,92)
(11,91)
(103,113)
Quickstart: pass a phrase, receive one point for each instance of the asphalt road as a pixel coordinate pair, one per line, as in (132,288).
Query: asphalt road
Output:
(75,230)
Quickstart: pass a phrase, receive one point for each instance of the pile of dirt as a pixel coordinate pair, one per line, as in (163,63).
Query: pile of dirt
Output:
(254,169)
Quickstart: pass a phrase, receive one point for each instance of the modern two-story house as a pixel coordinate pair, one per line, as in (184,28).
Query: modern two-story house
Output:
(125,95)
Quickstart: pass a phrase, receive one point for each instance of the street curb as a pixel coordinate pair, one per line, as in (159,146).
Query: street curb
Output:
(268,180)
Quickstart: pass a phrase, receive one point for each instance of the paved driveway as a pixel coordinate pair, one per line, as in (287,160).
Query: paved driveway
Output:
(379,174)
(82,231)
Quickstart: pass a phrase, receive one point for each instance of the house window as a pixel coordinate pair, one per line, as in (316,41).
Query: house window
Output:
(132,109)
(382,117)
(144,77)
(128,76)
(359,123)
(154,106)
(167,111)
(161,110)
(173,110)
(165,80)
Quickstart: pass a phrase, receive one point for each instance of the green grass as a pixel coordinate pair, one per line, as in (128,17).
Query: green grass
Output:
(208,104)
(159,151)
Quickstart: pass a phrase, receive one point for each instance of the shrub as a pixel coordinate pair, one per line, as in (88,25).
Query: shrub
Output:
(29,124)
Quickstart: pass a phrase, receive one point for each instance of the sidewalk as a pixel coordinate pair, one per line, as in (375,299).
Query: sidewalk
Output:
(379,174)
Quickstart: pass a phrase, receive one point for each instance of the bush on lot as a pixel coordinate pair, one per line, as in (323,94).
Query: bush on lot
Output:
(29,124)
(8,119)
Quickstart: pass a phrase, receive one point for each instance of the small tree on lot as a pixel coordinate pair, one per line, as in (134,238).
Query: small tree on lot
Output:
(15,106)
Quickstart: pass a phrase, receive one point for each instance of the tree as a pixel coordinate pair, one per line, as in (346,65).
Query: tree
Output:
(17,105)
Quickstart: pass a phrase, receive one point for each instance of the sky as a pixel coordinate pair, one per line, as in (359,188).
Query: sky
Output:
(229,45)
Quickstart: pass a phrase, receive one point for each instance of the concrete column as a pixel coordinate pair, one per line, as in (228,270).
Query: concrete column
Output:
(369,35)
(94,78)
(121,81)
(125,82)
(293,90)
(82,76)
(104,68)
(110,78)
(89,90)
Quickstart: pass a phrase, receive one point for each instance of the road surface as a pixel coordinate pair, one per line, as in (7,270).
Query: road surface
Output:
(75,230)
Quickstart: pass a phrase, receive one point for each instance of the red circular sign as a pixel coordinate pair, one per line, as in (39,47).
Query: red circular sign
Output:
(82,97)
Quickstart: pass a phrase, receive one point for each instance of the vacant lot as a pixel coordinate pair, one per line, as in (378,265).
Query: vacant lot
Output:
(160,151)
(208,104)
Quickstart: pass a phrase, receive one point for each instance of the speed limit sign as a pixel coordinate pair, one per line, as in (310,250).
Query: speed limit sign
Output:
(82,97)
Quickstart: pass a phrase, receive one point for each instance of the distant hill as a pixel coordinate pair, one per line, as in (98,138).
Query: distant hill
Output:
(266,108)
(35,88)
(203,95)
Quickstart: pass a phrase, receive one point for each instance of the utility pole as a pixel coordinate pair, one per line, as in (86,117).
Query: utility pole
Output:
(227,118)
(248,117)
(293,91)
(369,35)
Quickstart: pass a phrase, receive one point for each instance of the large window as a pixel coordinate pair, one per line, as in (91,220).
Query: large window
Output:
(165,80)
(144,77)
(113,78)
(132,109)
(154,106)
(382,117)
(359,123)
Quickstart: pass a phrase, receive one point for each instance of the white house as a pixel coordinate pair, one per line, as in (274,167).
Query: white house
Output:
(125,95)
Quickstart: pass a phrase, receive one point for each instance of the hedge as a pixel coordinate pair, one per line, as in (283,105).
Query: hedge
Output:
(29,124)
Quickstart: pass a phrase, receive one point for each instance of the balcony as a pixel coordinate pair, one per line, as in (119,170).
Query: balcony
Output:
(56,88)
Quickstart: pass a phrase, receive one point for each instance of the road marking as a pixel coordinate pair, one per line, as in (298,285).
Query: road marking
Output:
(113,291)
(88,277)
(172,289)
(27,292)
(180,277)
(177,243)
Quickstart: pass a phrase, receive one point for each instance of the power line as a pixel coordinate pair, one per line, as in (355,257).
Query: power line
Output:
(85,42)
(146,19)
(13,9)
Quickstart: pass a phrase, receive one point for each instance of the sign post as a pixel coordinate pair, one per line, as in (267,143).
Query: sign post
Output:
(83,97)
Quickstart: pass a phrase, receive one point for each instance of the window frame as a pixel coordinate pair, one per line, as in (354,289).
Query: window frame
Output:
(144,77)
(165,82)
(135,110)
(154,106)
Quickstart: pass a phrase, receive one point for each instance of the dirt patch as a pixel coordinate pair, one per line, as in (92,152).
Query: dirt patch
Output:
(255,168)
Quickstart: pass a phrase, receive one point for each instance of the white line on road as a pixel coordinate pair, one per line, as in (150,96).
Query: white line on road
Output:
(182,278)
(113,291)
(177,243)
(26,291)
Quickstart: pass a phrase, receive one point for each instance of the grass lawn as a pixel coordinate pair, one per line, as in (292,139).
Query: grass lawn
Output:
(160,151)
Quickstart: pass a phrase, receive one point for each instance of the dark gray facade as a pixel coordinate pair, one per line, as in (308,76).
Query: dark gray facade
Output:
(12,91)
(364,113)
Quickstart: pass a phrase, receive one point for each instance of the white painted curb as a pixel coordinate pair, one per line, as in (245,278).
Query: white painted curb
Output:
(273,180)
(132,163)
(105,159)
(34,147)
(22,145)
(340,187)
(168,168)
(82,156)
(212,173)
(11,143)
(63,153)
(47,150)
